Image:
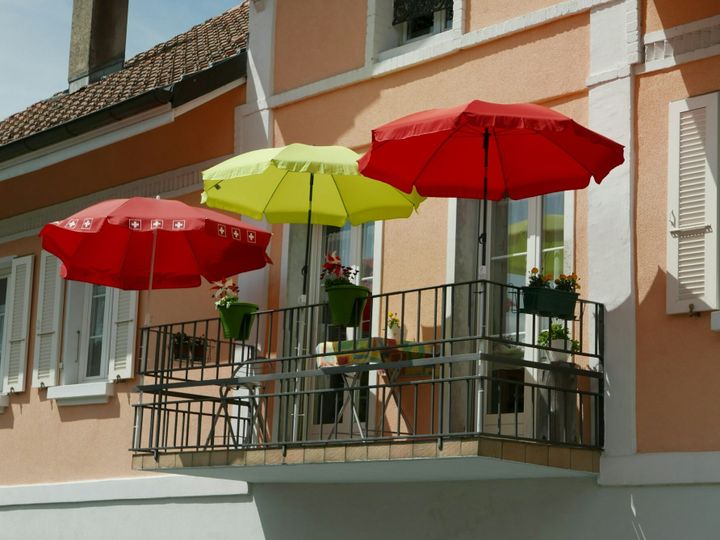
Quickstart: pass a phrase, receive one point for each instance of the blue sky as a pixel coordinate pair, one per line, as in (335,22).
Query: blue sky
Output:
(35,41)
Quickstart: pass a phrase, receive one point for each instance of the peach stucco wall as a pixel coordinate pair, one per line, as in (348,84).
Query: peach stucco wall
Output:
(42,442)
(677,356)
(196,136)
(659,14)
(39,441)
(482,13)
(514,69)
(511,69)
(316,39)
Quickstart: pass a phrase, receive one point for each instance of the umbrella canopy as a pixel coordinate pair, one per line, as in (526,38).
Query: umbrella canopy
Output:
(488,151)
(275,183)
(532,150)
(300,183)
(142,243)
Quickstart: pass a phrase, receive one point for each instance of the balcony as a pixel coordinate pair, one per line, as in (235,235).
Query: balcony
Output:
(464,386)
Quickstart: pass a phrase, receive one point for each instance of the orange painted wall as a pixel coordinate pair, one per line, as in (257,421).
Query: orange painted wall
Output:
(198,135)
(316,39)
(41,442)
(659,14)
(677,357)
(513,69)
(482,13)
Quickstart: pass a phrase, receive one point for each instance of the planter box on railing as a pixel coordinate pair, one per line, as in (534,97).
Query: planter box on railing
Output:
(549,302)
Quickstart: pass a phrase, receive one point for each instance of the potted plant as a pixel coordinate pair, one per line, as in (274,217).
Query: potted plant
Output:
(346,300)
(237,317)
(393,326)
(186,347)
(558,337)
(540,298)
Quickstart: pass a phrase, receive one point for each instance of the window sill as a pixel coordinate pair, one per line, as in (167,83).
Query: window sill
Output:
(4,402)
(419,48)
(81,394)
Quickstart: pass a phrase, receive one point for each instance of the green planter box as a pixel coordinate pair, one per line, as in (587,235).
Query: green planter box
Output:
(237,320)
(347,303)
(549,302)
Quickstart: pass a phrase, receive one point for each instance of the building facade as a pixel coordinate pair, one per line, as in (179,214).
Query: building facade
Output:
(480,431)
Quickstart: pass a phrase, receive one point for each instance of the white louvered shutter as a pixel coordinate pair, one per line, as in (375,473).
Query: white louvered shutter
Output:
(47,322)
(692,240)
(122,335)
(14,350)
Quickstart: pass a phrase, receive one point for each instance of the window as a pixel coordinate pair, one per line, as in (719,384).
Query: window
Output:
(416,19)
(94,333)
(97,327)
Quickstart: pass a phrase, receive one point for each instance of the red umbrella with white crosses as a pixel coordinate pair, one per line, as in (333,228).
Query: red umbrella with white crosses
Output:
(142,243)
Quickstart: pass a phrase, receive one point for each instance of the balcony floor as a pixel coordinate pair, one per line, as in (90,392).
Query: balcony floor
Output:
(479,458)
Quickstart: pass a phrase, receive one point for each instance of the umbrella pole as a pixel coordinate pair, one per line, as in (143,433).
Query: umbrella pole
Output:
(308,241)
(303,322)
(148,314)
(483,236)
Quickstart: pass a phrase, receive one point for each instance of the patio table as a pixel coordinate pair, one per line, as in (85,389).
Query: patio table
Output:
(377,350)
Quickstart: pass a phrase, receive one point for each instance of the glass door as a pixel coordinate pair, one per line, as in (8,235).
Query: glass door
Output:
(340,408)
(524,234)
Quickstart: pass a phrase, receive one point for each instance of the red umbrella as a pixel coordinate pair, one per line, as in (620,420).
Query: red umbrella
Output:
(142,243)
(519,151)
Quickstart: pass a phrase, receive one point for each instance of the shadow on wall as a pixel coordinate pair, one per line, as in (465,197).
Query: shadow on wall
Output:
(677,376)
(122,398)
(511,509)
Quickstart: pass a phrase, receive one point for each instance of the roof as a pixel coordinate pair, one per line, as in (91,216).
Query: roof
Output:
(217,39)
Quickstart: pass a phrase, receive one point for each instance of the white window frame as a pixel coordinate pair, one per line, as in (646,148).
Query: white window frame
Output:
(533,259)
(439,25)
(85,336)
(384,41)
(5,272)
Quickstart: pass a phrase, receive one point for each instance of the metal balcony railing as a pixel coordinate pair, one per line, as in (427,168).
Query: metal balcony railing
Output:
(466,362)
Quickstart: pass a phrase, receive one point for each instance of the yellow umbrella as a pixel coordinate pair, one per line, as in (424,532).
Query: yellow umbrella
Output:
(300,183)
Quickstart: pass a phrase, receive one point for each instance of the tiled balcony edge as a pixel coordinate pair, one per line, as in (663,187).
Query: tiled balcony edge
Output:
(549,455)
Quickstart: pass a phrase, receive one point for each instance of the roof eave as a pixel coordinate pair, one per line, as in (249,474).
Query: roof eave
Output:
(190,87)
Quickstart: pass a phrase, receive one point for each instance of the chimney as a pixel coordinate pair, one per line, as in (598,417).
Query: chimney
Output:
(97,41)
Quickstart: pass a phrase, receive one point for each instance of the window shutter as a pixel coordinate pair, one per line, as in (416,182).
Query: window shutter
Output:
(692,240)
(47,322)
(17,325)
(122,335)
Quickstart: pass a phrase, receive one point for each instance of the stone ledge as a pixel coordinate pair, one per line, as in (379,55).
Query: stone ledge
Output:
(543,454)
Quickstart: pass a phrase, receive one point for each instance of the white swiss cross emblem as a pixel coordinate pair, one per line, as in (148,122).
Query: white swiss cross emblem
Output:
(72,224)
(156,224)
(178,224)
(235,233)
(251,237)
(135,224)
(222,231)
(86,224)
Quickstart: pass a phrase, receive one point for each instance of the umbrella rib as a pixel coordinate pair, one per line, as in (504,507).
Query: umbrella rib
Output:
(274,191)
(571,156)
(434,152)
(347,212)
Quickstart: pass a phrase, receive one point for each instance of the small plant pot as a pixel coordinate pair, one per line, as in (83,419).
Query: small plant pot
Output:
(190,348)
(237,320)
(549,302)
(347,302)
(554,356)
(393,333)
